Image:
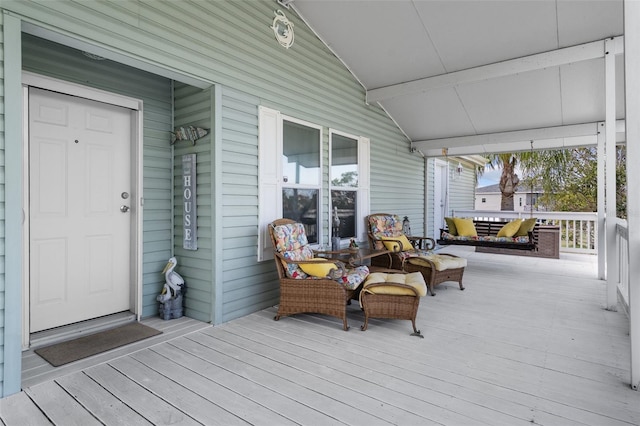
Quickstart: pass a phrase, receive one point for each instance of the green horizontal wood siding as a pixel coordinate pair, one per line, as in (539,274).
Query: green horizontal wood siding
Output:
(247,286)
(194,107)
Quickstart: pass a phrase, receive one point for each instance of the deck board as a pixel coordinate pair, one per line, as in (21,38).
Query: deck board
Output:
(527,342)
(98,401)
(140,398)
(320,380)
(258,385)
(191,373)
(181,397)
(376,374)
(61,408)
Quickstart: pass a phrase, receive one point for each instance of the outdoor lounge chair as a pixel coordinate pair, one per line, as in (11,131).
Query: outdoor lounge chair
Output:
(385,231)
(308,284)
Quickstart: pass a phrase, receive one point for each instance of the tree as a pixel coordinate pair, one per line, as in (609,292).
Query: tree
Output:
(529,161)
(568,178)
(575,186)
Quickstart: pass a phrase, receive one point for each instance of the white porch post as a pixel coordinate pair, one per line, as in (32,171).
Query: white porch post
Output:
(632,101)
(610,174)
(602,252)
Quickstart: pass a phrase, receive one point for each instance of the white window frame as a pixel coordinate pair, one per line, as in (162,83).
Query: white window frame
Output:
(362,190)
(319,186)
(270,179)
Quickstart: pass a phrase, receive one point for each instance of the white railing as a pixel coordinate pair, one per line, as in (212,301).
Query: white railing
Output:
(622,246)
(578,230)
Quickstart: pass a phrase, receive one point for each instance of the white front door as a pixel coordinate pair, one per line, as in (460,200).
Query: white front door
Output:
(79,236)
(439,197)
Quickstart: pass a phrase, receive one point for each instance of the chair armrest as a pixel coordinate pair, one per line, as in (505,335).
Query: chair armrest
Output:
(418,242)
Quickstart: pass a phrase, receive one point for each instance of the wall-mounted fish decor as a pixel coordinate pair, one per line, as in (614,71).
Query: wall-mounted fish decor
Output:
(188,133)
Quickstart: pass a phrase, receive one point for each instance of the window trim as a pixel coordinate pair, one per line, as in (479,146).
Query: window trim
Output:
(321,165)
(320,186)
(356,189)
(270,185)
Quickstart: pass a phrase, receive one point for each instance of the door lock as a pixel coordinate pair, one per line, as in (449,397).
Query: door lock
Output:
(124,209)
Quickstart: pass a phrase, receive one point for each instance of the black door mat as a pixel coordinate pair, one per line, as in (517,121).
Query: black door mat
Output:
(86,346)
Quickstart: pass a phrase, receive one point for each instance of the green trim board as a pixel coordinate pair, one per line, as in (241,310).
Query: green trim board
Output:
(12,278)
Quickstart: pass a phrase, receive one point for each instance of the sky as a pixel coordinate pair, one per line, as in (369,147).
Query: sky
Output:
(492,177)
(489,177)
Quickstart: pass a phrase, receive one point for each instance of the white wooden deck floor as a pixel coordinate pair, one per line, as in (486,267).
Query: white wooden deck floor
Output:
(527,342)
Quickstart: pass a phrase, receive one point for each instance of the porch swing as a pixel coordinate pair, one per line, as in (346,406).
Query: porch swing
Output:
(516,234)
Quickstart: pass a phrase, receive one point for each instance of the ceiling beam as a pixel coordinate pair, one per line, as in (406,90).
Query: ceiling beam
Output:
(567,55)
(520,140)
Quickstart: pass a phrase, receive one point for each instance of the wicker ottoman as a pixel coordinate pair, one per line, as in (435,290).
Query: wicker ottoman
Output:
(394,296)
(438,268)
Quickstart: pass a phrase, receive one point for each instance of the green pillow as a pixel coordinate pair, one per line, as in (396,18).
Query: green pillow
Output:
(510,229)
(525,227)
(465,227)
(451,226)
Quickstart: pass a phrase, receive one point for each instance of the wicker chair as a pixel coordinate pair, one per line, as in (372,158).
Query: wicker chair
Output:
(385,230)
(301,293)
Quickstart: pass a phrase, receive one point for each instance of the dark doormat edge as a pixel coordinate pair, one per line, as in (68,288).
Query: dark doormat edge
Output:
(83,347)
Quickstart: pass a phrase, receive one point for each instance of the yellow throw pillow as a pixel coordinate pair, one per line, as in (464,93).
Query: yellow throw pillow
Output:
(465,227)
(525,227)
(319,270)
(451,226)
(510,229)
(393,245)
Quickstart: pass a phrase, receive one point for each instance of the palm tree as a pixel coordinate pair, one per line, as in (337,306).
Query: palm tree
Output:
(537,165)
(509,180)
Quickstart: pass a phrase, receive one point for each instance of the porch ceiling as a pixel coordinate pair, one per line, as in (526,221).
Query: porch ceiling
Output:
(438,67)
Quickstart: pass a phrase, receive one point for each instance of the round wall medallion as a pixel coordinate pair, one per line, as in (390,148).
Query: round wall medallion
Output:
(283,29)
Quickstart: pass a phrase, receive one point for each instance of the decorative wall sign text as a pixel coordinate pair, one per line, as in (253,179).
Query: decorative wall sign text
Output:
(189,221)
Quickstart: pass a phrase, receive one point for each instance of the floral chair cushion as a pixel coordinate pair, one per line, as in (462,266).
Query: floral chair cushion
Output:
(354,277)
(290,237)
(292,269)
(291,241)
(384,226)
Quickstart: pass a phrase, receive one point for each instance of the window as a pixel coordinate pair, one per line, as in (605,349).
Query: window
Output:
(520,201)
(484,200)
(301,175)
(344,182)
(294,183)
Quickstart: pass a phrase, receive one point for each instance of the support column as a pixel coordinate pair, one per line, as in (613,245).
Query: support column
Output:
(13,302)
(613,272)
(602,251)
(632,101)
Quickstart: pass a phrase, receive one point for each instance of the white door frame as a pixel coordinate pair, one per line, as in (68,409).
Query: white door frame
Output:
(135,105)
(441,178)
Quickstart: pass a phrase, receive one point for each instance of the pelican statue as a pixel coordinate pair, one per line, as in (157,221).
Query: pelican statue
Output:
(173,282)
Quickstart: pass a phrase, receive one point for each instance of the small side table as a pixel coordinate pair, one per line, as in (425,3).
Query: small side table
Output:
(354,257)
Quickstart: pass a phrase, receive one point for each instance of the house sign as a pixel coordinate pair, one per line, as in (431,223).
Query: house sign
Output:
(189,221)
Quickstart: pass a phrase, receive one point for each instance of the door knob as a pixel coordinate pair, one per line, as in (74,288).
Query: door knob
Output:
(124,209)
